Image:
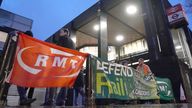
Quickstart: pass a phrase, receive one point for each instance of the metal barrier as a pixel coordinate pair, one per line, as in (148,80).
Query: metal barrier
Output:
(89,83)
(8,62)
(6,65)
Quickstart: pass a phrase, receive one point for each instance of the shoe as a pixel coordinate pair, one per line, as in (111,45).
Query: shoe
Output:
(60,103)
(47,104)
(27,101)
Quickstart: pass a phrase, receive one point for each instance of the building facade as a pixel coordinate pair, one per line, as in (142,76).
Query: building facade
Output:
(126,30)
(10,22)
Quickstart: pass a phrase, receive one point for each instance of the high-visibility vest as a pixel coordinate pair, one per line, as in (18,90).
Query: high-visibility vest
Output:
(145,68)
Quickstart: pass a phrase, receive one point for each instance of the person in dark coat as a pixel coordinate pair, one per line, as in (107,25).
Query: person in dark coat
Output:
(63,39)
(79,87)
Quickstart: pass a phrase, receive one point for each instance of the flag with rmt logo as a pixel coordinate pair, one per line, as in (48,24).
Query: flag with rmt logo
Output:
(41,64)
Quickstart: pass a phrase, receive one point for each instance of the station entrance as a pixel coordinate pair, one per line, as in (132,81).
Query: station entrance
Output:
(125,30)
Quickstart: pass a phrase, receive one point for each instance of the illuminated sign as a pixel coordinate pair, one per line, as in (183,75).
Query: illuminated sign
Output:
(176,16)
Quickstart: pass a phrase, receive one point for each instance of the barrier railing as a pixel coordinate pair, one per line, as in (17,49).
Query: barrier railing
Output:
(7,64)
(104,80)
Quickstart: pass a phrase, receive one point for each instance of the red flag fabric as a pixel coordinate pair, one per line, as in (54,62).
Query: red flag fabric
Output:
(41,64)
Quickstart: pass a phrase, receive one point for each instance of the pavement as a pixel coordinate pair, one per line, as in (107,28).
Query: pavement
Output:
(13,97)
(114,106)
(39,94)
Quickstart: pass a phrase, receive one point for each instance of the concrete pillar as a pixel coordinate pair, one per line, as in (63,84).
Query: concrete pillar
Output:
(102,38)
(117,48)
(163,59)
(151,31)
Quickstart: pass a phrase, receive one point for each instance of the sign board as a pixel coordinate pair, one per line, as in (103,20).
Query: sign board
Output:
(176,16)
(116,81)
(164,88)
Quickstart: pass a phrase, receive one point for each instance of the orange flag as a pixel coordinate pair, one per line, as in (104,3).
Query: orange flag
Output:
(41,64)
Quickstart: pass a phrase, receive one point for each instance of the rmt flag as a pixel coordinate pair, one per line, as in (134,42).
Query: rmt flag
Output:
(41,64)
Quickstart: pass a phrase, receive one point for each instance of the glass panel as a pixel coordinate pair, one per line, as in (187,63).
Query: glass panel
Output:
(3,37)
(111,53)
(20,26)
(94,51)
(90,50)
(5,22)
(22,20)
(11,20)
(181,46)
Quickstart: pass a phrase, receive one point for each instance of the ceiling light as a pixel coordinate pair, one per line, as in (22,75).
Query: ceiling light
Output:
(74,39)
(178,47)
(103,24)
(131,9)
(119,38)
(96,27)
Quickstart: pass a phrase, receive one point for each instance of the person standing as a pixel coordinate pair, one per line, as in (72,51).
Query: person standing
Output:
(24,99)
(146,72)
(143,68)
(79,87)
(63,40)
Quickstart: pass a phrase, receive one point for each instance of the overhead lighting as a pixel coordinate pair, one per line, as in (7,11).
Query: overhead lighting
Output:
(131,9)
(135,63)
(96,27)
(103,26)
(178,47)
(119,37)
(146,60)
(74,39)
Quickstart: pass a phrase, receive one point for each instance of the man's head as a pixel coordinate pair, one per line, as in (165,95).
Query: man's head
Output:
(125,64)
(29,33)
(64,32)
(141,61)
